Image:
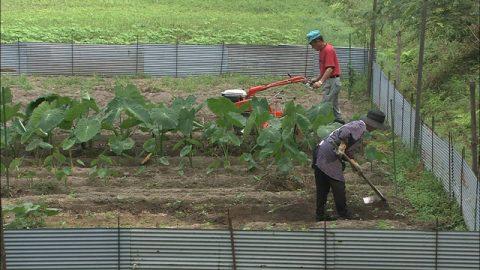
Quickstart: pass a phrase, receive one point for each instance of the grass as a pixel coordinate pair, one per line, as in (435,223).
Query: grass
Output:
(154,21)
(189,85)
(413,182)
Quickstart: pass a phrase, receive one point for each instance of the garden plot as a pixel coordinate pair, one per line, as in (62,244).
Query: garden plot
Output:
(195,174)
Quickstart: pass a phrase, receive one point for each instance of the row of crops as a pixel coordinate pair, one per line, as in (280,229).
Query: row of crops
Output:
(52,127)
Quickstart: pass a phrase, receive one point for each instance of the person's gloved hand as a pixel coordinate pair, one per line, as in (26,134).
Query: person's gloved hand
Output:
(340,151)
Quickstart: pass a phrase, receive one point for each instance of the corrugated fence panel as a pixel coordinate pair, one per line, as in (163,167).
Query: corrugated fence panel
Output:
(106,60)
(459,250)
(180,249)
(63,249)
(458,181)
(171,59)
(211,249)
(266,60)
(384,250)
(283,250)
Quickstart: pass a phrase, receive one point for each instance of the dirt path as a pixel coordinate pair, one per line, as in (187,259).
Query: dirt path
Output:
(159,196)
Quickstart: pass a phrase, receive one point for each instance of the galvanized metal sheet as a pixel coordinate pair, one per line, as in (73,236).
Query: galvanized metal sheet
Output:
(171,60)
(211,249)
(458,181)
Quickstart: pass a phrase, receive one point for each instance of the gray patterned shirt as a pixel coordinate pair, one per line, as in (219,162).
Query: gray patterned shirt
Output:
(326,159)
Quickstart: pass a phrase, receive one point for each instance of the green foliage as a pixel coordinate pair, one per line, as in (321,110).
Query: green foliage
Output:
(198,22)
(222,132)
(27,215)
(118,144)
(57,163)
(87,129)
(101,167)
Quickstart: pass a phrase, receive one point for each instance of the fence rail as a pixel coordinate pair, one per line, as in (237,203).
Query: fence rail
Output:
(438,155)
(170,59)
(210,249)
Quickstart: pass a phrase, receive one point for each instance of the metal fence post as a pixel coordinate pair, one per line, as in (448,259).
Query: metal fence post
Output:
(349,66)
(136,58)
(403,113)
(473,123)
(436,243)
(18,56)
(118,241)
(176,58)
(461,180)
(388,94)
(232,241)
(393,145)
(72,58)
(476,208)
(325,244)
(306,59)
(433,133)
(223,55)
(380,86)
(411,118)
(449,164)
(3,118)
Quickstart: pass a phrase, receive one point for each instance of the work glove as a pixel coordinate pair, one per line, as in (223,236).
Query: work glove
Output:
(340,151)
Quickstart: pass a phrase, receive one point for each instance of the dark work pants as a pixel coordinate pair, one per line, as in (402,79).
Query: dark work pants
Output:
(324,184)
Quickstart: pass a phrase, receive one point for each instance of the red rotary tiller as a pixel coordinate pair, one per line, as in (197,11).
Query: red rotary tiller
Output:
(240,97)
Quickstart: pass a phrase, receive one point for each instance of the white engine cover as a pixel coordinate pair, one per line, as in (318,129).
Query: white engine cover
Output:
(234,93)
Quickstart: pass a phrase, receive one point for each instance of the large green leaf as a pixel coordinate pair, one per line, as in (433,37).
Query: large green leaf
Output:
(76,110)
(37,143)
(186,150)
(163,118)
(149,145)
(118,144)
(325,130)
(51,119)
(236,119)
(138,111)
(185,121)
(221,106)
(129,93)
(86,129)
(321,114)
(37,115)
(184,103)
(68,143)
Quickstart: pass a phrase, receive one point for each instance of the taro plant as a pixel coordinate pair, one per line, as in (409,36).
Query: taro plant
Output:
(186,110)
(27,215)
(101,167)
(221,132)
(56,163)
(282,140)
(122,115)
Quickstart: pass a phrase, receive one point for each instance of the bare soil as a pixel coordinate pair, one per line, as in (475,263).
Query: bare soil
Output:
(161,196)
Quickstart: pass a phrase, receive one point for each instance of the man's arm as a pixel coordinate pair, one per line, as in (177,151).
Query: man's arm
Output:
(321,79)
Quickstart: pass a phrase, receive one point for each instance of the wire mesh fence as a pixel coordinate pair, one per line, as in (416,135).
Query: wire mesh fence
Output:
(323,248)
(438,155)
(176,60)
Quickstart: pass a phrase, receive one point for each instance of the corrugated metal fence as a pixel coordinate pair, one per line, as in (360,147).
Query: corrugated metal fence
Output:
(170,60)
(438,155)
(210,249)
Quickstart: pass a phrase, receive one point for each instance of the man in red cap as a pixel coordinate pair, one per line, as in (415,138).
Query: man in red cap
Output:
(330,72)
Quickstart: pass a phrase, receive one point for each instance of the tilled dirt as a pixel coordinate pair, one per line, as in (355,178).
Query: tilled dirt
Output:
(162,196)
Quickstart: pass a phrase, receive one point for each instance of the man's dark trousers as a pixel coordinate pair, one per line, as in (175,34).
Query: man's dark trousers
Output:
(324,183)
